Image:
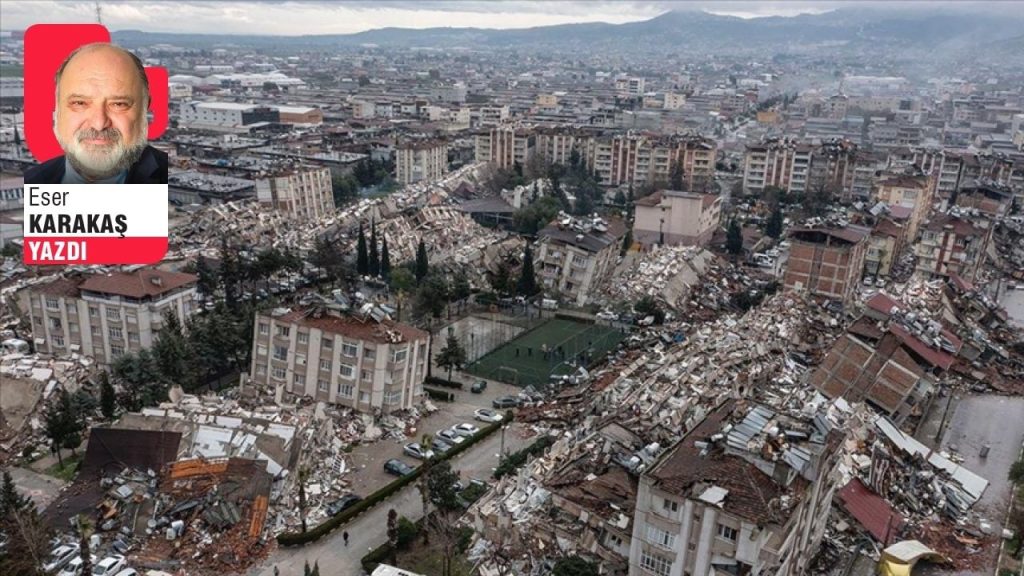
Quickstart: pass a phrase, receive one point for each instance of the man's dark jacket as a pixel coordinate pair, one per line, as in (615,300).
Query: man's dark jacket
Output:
(150,169)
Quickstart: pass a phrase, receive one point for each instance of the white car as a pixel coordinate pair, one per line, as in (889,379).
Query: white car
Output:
(487,415)
(127,572)
(608,315)
(60,557)
(74,568)
(450,436)
(416,451)
(109,566)
(465,429)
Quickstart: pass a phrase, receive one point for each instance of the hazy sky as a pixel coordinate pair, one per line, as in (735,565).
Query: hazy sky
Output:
(321,17)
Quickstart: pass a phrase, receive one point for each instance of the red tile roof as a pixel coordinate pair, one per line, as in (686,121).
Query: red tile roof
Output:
(871,510)
(934,356)
(354,327)
(138,284)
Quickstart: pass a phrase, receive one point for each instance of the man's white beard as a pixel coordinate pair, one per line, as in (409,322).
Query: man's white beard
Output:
(102,162)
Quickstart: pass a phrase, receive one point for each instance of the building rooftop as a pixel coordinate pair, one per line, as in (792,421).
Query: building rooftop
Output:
(137,284)
(592,235)
(384,332)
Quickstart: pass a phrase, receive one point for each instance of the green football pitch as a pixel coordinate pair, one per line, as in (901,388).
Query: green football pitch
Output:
(549,349)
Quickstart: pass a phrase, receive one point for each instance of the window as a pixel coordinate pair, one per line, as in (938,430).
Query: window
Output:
(346,390)
(261,370)
(116,350)
(325,364)
(726,532)
(264,328)
(613,540)
(133,337)
(52,303)
(298,379)
(284,331)
(328,342)
(346,370)
(369,353)
(131,317)
(280,352)
(278,373)
(323,385)
(349,350)
(400,355)
(393,397)
(670,505)
(55,323)
(364,396)
(94,311)
(303,337)
(115,333)
(660,537)
(655,564)
(113,314)
(96,330)
(58,341)
(366,375)
(261,350)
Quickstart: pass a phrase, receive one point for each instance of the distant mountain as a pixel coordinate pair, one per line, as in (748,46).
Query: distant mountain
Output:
(674,31)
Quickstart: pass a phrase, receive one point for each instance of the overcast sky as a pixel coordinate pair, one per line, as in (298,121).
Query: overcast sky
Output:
(321,17)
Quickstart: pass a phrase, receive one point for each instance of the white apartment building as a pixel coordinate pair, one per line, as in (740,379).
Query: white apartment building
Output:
(305,192)
(421,161)
(345,359)
(105,315)
(224,115)
(675,218)
(505,146)
(575,257)
(736,497)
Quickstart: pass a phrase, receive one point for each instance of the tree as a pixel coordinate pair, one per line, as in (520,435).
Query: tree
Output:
(501,279)
(451,356)
(62,424)
(460,286)
(402,280)
(774,226)
(208,280)
(84,529)
(303,475)
(393,535)
(627,241)
(140,381)
(424,485)
(734,238)
(362,256)
(385,259)
(422,264)
(1017,472)
(173,352)
(443,524)
(530,219)
(648,306)
(431,296)
(574,566)
(527,284)
(374,260)
(675,179)
(27,543)
(230,272)
(108,401)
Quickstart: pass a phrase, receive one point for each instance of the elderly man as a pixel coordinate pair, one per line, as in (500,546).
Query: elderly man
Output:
(101,124)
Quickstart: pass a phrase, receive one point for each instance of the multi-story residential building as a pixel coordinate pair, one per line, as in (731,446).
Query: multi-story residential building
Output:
(952,244)
(777,163)
(632,87)
(673,217)
(826,262)
(418,161)
(747,491)
(885,245)
(305,192)
(638,158)
(910,189)
(105,315)
(505,146)
(575,257)
(359,361)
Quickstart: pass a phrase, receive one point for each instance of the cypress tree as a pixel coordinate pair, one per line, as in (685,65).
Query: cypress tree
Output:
(374,255)
(385,259)
(422,265)
(362,258)
(527,285)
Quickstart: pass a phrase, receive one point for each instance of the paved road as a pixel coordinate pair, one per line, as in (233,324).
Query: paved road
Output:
(369,530)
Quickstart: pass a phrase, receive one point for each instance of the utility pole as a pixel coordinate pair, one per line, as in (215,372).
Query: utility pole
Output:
(99,13)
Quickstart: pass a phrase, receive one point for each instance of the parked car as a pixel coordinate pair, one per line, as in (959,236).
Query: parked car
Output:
(607,315)
(60,557)
(465,429)
(485,415)
(74,568)
(342,504)
(416,451)
(505,402)
(440,446)
(397,467)
(450,436)
(127,572)
(109,566)
(478,386)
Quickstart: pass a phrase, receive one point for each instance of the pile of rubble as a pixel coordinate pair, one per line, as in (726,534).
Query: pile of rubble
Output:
(666,273)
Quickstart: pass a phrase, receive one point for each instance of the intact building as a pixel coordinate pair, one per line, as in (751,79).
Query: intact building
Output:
(505,146)
(952,244)
(421,161)
(575,255)
(826,262)
(305,192)
(913,191)
(225,115)
(105,315)
(676,218)
(747,491)
(353,360)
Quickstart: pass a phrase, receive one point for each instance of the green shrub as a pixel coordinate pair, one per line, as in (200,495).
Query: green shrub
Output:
(443,383)
(439,395)
(335,522)
(513,461)
(407,531)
